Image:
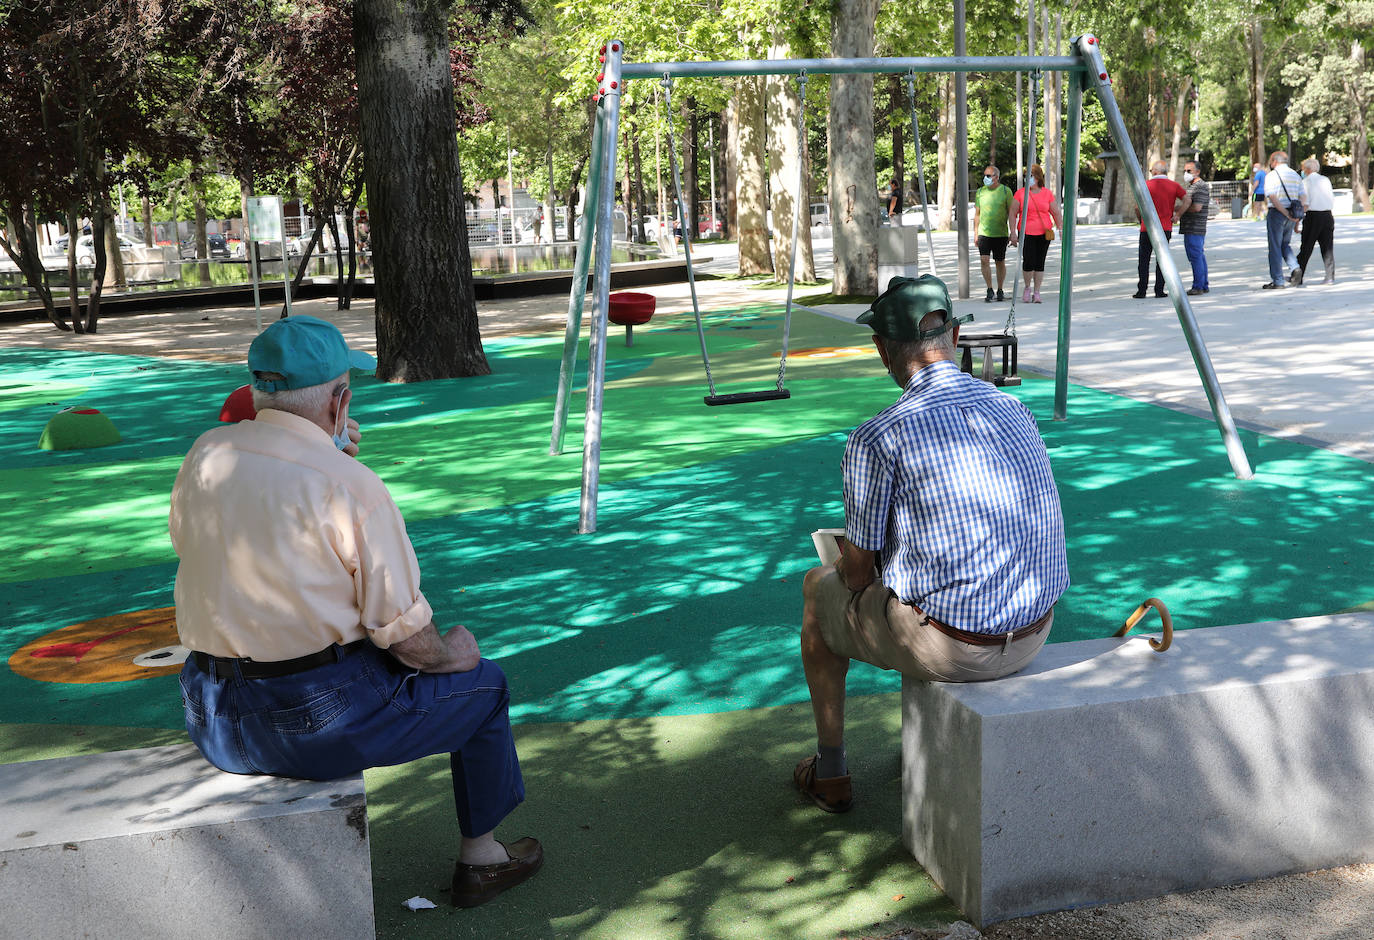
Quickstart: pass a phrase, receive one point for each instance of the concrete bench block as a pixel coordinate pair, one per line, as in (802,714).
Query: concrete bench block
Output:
(898,245)
(1108,772)
(158,843)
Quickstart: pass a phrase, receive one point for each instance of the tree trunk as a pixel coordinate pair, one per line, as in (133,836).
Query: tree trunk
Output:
(945,155)
(570,198)
(426,312)
(691,159)
(730,165)
(148,239)
(550,200)
(1359,134)
(73,302)
(1054,144)
(853,192)
(24,252)
(637,188)
(785,163)
(1254,35)
(99,223)
(754,257)
(117,278)
(1180,116)
(898,138)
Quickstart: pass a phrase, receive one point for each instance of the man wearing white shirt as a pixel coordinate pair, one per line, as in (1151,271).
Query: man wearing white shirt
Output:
(1283,190)
(1318,225)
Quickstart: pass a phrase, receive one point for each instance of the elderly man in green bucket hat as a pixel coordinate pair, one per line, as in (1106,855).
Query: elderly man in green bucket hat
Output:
(313,652)
(954,540)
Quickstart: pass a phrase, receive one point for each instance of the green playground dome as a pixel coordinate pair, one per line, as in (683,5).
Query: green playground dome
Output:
(78,429)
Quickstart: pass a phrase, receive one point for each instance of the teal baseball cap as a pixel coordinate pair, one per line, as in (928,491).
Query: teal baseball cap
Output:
(898,311)
(304,350)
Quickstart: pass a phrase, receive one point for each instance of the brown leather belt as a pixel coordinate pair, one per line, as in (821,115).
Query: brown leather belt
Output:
(252,669)
(984,639)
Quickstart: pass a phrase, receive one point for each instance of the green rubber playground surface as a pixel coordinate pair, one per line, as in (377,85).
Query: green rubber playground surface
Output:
(654,667)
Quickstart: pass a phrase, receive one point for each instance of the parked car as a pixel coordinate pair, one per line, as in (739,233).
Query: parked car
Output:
(217,246)
(297,245)
(706,230)
(85,247)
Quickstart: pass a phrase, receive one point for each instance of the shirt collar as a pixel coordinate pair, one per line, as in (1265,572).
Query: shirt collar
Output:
(295,424)
(931,375)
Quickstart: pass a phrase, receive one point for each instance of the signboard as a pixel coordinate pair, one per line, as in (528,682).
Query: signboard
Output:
(264,218)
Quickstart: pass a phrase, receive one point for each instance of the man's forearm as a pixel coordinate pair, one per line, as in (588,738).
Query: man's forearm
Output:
(427,651)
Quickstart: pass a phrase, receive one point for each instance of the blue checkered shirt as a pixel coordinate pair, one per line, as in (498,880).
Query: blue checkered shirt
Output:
(951,486)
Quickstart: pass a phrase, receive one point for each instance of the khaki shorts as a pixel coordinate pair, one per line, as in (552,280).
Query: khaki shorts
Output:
(874,626)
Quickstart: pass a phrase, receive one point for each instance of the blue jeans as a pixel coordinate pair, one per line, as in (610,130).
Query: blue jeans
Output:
(1192,247)
(1281,257)
(367,709)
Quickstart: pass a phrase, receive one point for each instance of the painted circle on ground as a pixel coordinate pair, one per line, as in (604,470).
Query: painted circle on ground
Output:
(107,649)
(828,352)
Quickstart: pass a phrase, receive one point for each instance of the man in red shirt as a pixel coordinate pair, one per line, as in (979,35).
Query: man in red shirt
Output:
(1166,195)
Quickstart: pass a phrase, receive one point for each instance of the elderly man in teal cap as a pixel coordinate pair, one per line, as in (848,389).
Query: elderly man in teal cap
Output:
(313,652)
(954,541)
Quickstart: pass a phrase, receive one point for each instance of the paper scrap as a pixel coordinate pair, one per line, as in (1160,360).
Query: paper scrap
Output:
(418,903)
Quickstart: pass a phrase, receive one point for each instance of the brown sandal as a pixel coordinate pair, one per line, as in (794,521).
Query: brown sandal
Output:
(832,794)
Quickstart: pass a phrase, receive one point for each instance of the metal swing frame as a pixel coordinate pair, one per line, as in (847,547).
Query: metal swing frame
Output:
(1085,69)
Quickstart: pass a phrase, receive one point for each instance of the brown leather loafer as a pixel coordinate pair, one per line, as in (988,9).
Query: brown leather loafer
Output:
(832,794)
(478,884)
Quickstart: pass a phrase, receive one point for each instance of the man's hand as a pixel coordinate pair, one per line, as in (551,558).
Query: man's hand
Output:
(355,435)
(857,567)
(427,651)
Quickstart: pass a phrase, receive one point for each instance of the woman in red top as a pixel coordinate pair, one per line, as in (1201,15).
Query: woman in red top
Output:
(1040,220)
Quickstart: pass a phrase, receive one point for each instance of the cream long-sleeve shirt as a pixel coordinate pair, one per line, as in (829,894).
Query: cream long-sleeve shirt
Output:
(288,545)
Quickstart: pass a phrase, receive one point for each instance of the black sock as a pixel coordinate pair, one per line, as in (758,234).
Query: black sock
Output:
(830,761)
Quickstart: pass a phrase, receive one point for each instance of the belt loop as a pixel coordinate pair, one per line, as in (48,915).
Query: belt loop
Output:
(1006,644)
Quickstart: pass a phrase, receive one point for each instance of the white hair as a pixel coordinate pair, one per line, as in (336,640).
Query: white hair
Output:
(1311,165)
(909,350)
(306,402)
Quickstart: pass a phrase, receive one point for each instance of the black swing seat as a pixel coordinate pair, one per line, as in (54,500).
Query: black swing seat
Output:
(739,398)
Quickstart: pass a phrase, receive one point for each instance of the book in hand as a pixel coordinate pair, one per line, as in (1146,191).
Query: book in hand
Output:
(829,544)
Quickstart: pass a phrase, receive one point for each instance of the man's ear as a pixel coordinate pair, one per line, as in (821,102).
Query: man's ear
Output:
(882,351)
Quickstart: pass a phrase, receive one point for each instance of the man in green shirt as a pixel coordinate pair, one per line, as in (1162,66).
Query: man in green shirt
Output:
(994,219)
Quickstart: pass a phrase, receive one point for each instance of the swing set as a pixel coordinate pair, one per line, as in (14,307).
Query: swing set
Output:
(1085,70)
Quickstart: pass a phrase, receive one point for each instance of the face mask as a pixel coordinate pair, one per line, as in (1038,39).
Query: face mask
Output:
(341,439)
(1187,177)
(988,181)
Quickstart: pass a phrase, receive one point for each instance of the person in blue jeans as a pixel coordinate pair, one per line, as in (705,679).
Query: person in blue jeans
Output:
(313,652)
(1283,191)
(1192,224)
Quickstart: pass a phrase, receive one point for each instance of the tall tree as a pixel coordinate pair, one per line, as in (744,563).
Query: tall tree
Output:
(426,310)
(754,254)
(788,166)
(853,194)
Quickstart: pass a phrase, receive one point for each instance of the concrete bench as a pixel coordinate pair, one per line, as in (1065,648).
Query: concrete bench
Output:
(1108,772)
(158,843)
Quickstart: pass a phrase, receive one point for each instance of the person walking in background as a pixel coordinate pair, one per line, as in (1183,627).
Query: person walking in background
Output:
(1283,190)
(1165,194)
(1318,225)
(1257,201)
(1192,224)
(894,203)
(994,219)
(1041,219)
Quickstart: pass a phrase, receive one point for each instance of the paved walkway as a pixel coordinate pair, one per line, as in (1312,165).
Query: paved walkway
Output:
(1296,363)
